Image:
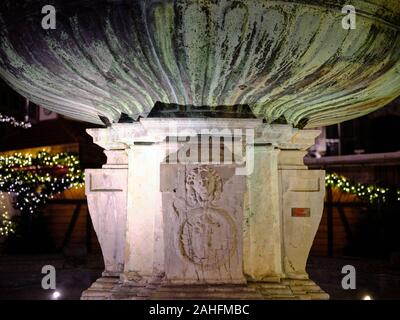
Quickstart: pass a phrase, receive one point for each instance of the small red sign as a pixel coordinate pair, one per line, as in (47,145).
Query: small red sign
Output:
(301,212)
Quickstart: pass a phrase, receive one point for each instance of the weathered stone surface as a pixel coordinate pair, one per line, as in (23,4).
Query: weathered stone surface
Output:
(304,190)
(203,214)
(101,289)
(262,220)
(195,228)
(106,192)
(111,289)
(144,254)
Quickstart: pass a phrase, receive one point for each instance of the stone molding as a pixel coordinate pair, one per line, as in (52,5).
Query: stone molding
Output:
(156,130)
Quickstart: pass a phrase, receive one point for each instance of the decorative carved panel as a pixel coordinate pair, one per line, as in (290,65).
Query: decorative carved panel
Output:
(203,212)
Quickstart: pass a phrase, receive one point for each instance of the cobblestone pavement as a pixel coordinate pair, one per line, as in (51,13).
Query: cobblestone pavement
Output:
(20,277)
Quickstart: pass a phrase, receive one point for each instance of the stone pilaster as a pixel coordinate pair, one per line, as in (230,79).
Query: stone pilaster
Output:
(262,223)
(144,254)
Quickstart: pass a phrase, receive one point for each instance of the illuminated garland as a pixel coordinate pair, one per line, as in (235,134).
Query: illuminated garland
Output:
(365,192)
(14,122)
(6,225)
(35,179)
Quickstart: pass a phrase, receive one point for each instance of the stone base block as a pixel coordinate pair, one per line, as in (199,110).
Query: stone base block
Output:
(290,289)
(107,288)
(101,289)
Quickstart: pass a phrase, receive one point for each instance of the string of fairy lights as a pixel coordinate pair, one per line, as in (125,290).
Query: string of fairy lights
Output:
(7,226)
(15,123)
(36,178)
(366,192)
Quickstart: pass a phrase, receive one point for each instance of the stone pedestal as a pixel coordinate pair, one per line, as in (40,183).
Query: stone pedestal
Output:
(204,209)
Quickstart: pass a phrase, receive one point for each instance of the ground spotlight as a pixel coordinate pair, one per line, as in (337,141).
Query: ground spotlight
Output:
(56,295)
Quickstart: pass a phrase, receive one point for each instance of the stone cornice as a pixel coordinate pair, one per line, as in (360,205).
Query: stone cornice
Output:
(122,136)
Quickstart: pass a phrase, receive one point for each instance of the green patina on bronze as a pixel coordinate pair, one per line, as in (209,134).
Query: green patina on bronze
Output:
(289,61)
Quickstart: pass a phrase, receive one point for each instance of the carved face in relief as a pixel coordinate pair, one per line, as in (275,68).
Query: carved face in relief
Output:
(203,186)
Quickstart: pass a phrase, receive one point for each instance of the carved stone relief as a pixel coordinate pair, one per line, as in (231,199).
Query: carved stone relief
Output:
(207,237)
(207,227)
